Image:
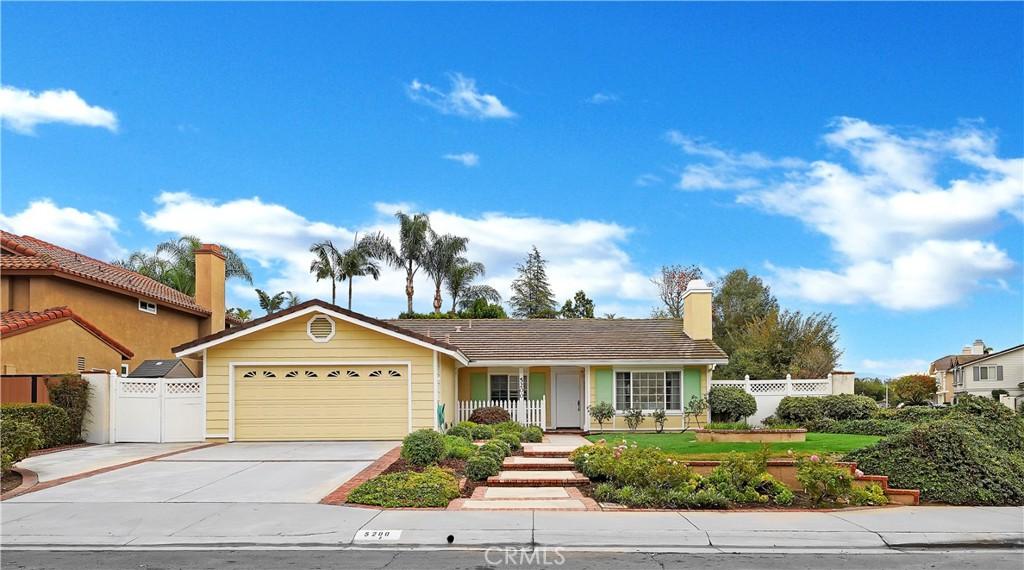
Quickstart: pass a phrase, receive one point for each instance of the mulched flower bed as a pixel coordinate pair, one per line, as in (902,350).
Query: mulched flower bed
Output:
(456,465)
(10,481)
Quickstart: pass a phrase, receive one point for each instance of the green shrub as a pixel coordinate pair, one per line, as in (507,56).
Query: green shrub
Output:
(848,407)
(71,394)
(870,494)
(481,431)
(594,461)
(18,438)
(799,409)
(512,439)
(920,414)
(509,427)
(745,479)
(462,429)
(432,487)
(423,447)
(602,412)
(992,418)
(634,418)
(648,467)
(728,425)
(637,497)
(533,434)
(730,403)
(951,461)
(489,415)
(707,498)
(878,427)
(659,417)
(53,422)
(824,481)
(497,449)
(605,492)
(481,466)
(456,447)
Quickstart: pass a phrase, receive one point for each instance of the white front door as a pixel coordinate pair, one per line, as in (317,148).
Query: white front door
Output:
(567,400)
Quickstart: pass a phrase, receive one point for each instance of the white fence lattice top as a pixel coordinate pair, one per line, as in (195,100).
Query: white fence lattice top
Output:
(781,387)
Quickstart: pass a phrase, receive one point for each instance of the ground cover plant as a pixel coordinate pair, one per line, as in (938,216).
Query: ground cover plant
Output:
(972,453)
(431,487)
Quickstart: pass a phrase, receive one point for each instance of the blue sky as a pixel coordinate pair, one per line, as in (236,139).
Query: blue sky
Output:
(863,158)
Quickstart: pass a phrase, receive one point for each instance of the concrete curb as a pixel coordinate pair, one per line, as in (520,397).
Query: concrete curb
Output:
(29,479)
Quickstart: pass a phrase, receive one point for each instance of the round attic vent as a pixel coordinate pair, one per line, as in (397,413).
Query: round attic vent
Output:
(320,328)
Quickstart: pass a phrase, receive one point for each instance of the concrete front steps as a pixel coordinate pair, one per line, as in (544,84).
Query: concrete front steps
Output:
(527,498)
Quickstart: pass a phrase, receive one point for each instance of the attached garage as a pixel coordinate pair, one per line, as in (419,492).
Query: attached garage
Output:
(321,402)
(319,372)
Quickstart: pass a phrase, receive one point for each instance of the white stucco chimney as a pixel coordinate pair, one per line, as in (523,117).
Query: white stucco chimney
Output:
(978,347)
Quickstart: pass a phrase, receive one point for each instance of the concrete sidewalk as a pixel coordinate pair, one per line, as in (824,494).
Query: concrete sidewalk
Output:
(141,525)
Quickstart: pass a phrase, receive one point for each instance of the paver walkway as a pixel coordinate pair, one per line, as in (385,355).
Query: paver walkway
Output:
(542,479)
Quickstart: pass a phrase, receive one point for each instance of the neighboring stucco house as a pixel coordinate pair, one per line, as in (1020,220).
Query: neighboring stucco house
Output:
(317,371)
(1000,370)
(107,317)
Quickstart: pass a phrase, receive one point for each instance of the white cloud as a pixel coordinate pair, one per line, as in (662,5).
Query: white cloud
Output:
(581,254)
(22,110)
(462,99)
(904,238)
(600,98)
(91,233)
(892,368)
(467,159)
(647,179)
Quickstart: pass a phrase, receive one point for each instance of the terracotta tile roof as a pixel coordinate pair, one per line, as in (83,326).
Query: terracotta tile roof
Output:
(30,254)
(228,332)
(567,339)
(17,322)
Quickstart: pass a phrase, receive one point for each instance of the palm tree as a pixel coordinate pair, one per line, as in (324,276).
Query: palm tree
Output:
(243,315)
(443,254)
(460,285)
(358,261)
(174,264)
(270,304)
(326,262)
(413,238)
(291,299)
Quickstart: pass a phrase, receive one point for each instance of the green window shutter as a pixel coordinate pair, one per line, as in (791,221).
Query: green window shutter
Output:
(691,384)
(478,386)
(538,385)
(604,386)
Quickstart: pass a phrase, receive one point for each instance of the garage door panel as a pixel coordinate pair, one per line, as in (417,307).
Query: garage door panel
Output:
(318,402)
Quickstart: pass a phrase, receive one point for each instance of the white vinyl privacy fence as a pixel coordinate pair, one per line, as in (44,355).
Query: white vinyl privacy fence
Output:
(768,393)
(155,410)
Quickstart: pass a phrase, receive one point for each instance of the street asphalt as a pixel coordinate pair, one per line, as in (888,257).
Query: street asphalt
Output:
(476,560)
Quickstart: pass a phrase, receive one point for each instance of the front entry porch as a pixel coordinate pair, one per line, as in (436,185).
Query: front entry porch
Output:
(549,397)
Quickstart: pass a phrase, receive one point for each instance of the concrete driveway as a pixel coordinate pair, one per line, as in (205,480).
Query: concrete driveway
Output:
(279,472)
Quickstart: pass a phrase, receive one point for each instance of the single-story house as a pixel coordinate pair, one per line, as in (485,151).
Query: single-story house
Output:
(317,371)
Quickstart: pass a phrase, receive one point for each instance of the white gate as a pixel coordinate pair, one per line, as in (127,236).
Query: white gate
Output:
(154,410)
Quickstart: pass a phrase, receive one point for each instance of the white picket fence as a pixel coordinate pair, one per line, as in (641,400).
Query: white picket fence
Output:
(526,412)
(768,393)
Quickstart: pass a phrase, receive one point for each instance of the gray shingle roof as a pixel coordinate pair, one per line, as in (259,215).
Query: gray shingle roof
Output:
(157,368)
(566,339)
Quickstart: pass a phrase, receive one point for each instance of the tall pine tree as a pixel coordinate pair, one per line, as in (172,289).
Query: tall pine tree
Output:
(531,293)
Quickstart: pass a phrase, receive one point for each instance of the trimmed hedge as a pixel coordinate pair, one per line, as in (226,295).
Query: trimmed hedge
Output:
(848,407)
(799,409)
(730,403)
(462,429)
(432,487)
(481,431)
(883,428)
(423,447)
(53,422)
(481,466)
(489,415)
(71,393)
(512,439)
(533,434)
(458,448)
(18,438)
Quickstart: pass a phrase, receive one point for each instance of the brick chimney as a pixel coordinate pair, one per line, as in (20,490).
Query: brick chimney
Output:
(697,310)
(210,279)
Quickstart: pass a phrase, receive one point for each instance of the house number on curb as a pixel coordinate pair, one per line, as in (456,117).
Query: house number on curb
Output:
(378,535)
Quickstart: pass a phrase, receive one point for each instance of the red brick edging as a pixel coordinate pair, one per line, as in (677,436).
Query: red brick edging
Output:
(22,489)
(339,495)
(29,479)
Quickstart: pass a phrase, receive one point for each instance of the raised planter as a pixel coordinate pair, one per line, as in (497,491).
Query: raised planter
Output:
(751,435)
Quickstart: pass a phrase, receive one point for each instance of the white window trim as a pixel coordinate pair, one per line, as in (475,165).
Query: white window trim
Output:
(124,369)
(615,391)
(144,306)
(309,333)
(511,374)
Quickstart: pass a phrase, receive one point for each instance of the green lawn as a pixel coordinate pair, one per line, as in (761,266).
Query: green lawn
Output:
(685,444)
